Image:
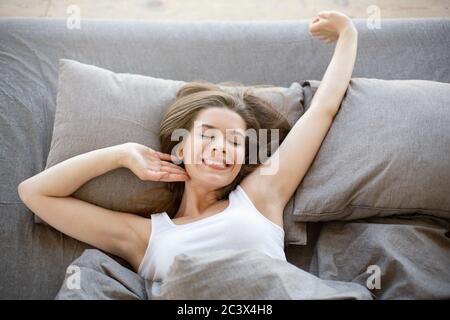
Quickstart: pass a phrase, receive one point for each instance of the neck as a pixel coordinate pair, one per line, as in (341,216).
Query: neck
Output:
(196,200)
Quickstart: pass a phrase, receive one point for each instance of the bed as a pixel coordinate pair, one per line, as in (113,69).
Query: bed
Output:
(411,251)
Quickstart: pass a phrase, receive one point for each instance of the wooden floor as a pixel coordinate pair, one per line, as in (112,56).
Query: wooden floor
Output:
(223,9)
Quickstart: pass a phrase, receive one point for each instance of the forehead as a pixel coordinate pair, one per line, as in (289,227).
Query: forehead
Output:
(221,118)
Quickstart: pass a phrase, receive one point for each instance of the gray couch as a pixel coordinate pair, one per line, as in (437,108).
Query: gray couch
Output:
(34,257)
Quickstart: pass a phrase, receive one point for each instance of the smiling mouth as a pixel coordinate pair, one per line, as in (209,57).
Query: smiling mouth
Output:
(215,164)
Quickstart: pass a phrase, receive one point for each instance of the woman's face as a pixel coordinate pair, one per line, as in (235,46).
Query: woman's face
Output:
(214,150)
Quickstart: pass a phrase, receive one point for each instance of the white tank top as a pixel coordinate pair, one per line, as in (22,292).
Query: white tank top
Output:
(239,226)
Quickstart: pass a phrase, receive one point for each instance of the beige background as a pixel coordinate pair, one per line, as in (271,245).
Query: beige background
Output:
(222,9)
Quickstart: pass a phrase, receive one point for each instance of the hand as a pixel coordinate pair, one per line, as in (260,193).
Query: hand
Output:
(327,26)
(151,165)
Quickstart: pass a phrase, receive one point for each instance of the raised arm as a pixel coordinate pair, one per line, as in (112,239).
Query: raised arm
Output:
(294,156)
(336,79)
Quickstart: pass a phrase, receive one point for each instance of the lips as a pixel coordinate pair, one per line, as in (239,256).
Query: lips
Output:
(214,164)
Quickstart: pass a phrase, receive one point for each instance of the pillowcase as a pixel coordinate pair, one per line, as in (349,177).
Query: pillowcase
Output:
(97,108)
(387,152)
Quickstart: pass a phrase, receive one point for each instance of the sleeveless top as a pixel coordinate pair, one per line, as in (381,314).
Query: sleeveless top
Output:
(239,226)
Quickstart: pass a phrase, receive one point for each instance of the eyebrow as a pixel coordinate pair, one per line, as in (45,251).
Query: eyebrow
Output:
(212,127)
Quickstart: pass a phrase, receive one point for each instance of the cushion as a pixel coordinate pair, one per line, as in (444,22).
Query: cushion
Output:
(387,152)
(98,108)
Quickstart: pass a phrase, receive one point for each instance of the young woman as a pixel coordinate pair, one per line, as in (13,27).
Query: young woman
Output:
(218,200)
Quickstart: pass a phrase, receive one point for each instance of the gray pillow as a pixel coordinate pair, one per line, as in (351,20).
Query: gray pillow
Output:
(98,108)
(387,152)
(247,274)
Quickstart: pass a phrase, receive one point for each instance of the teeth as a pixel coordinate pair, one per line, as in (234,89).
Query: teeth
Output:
(210,162)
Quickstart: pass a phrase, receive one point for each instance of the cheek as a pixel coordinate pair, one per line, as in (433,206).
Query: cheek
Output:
(192,153)
(237,168)
(239,156)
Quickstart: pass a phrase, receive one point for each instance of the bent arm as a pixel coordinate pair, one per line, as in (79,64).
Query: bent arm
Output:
(66,177)
(47,195)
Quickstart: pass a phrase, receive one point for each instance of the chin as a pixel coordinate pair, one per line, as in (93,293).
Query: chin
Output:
(214,182)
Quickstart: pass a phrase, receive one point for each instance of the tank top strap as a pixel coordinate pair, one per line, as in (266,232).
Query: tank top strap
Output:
(160,222)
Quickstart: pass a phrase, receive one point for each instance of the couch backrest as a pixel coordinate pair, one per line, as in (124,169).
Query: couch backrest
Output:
(264,52)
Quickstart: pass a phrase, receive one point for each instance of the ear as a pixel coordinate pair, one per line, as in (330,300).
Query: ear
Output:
(179,151)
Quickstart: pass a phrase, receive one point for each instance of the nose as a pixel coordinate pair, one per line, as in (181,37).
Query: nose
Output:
(218,145)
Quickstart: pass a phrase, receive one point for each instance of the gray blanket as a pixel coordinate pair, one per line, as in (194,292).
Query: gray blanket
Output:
(95,275)
(224,274)
(382,258)
(412,254)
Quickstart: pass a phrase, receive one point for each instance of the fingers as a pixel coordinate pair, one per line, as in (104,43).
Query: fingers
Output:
(321,33)
(169,164)
(165,176)
(317,26)
(324,14)
(327,39)
(324,34)
(154,176)
(173,177)
(168,157)
(171,172)
(171,168)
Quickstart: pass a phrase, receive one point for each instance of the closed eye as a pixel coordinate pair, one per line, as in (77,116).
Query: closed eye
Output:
(236,143)
(207,137)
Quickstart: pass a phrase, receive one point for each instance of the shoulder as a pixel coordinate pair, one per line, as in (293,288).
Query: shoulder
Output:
(263,201)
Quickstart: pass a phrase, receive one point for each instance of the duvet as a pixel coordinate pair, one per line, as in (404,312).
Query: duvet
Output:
(224,274)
